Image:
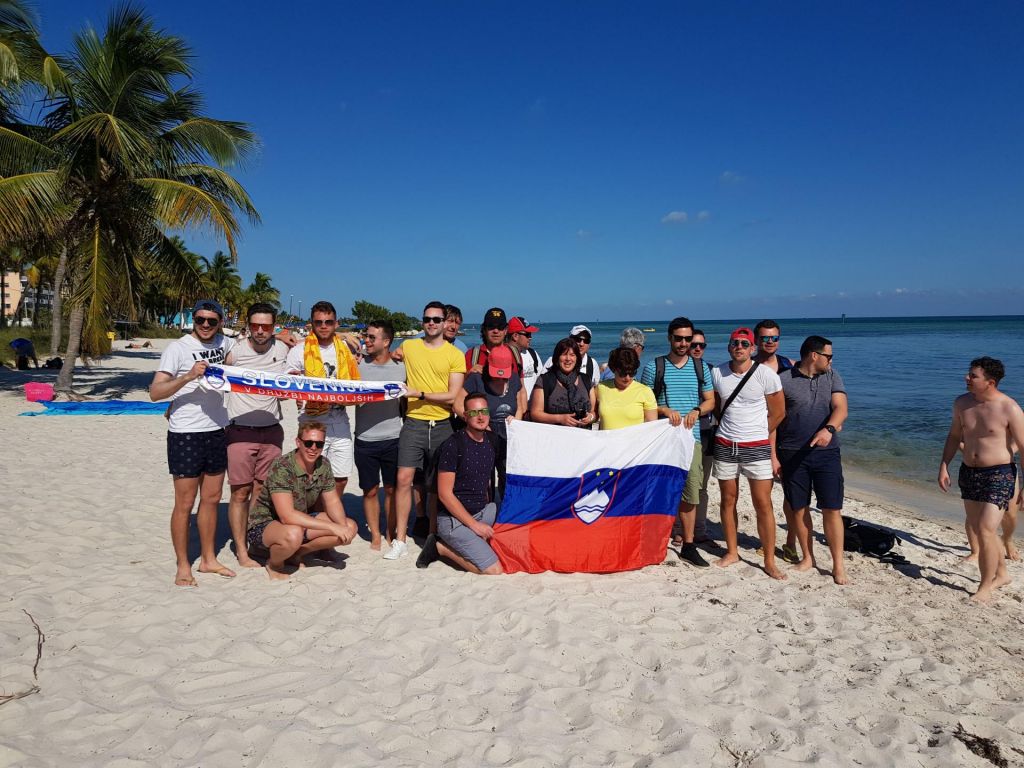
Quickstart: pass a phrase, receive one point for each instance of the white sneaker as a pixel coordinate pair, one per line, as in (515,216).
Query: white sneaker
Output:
(398,549)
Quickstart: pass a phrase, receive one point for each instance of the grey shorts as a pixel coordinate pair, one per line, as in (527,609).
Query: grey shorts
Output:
(464,541)
(419,442)
(694,476)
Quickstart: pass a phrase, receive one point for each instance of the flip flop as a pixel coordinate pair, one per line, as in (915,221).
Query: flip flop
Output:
(224,571)
(790,555)
(189,582)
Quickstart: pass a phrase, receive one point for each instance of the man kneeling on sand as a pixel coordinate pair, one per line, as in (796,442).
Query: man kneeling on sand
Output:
(298,511)
(465,515)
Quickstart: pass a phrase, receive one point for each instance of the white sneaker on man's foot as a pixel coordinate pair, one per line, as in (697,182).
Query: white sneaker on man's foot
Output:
(398,549)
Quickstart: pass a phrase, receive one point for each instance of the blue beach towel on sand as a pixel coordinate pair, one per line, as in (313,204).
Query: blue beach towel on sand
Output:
(101,408)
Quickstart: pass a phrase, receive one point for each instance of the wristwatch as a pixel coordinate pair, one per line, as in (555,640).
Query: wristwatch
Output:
(830,429)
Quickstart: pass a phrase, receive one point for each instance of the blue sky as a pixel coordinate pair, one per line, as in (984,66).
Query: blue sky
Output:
(604,161)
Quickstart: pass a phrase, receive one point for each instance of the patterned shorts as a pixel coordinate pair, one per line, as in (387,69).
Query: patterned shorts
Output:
(191,454)
(989,485)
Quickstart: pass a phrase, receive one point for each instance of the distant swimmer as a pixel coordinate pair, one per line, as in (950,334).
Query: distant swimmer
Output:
(988,424)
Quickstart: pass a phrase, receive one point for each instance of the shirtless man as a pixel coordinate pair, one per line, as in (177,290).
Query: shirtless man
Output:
(988,423)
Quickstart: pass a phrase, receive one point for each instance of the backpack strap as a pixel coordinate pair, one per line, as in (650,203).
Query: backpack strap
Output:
(659,376)
(474,355)
(535,358)
(589,377)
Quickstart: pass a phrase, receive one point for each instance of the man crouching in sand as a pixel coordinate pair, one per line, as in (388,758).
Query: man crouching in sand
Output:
(298,511)
(988,423)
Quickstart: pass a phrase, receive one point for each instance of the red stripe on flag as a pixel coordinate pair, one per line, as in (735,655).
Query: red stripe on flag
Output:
(569,546)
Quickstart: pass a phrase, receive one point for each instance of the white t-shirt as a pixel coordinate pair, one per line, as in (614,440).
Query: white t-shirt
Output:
(194,409)
(595,377)
(336,416)
(531,370)
(746,419)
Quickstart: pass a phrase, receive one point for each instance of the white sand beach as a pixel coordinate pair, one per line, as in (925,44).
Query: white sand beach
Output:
(369,662)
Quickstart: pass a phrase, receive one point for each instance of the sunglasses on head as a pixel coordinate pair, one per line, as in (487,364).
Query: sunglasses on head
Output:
(698,345)
(261,327)
(433,319)
(679,337)
(769,339)
(741,343)
(313,443)
(478,412)
(211,321)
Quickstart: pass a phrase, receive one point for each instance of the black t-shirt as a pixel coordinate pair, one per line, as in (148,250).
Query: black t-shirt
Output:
(500,406)
(473,474)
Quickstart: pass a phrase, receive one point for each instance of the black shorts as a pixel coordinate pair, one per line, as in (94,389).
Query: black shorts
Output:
(191,454)
(812,469)
(377,463)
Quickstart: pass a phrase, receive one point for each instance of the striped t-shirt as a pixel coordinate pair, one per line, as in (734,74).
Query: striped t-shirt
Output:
(680,387)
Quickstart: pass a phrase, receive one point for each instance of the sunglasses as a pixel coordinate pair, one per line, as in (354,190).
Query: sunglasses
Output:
(210,321)
(698,345)
(325,322)
(584,339)
(313,443)
(769,339)
(268,327)
(828,357)
(678,337)
(741,343)
(433,319)
(527,334)
(478,412)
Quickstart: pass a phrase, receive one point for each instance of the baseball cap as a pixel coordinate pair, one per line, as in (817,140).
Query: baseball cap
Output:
(495,318)
(208,305)
(501,362)
(742,333)
(518,325)
(578,329)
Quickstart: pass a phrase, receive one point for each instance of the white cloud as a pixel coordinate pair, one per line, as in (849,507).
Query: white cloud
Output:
(669,302)
(703,215)
(900,290)
(675,217)
(728,178)
(584,234)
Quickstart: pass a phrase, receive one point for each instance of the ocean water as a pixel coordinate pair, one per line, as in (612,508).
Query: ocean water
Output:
(901,375)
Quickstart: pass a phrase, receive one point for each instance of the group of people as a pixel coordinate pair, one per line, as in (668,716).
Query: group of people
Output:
(759,415)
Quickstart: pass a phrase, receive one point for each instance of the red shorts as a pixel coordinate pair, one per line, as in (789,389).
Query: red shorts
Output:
(251,451)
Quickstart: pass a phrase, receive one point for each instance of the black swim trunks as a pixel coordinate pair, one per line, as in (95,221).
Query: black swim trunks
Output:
(989,485)
(191,454)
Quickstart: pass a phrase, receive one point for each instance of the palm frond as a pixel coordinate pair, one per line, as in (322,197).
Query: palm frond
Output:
(20,153)
(198,138)
(120,141)
(179,205)
(29,203)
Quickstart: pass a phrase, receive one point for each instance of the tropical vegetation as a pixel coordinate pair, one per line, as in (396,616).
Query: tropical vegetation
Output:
(106,152)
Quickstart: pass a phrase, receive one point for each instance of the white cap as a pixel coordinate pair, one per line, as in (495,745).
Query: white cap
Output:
(578,329)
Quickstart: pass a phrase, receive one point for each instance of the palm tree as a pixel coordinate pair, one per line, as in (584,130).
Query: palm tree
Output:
(261,289)
(123,155)
(221,280)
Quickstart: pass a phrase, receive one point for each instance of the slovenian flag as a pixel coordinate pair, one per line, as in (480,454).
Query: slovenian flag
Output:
(583,501)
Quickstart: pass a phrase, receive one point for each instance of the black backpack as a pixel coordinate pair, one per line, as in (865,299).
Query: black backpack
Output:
(869,540)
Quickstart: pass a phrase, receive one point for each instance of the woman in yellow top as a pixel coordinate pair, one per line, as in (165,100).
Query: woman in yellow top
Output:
(622,401)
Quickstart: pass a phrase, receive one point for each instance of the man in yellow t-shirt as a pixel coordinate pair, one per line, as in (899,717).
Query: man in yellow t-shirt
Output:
(434,372)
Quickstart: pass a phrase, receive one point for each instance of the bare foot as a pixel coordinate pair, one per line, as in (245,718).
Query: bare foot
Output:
(1011,551)
(726,560)
(983,596)
(185,579)
(275,574)
(839,577)
(1001,581)
(247,562)
(375,543)
(804,565)
(296,562)
(971,558)
(217,568)
(773,571)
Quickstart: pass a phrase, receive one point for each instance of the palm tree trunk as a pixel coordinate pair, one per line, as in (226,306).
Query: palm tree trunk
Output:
(66,377)
(57,308)
(3,294)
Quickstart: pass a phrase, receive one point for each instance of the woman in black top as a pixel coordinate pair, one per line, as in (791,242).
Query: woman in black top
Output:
(561,396)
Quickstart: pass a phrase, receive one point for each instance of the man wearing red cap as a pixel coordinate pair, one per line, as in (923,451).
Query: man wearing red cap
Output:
(750,405)
(520,333)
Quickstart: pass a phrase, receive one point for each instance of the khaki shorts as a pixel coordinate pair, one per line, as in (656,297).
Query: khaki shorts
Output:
(695,477)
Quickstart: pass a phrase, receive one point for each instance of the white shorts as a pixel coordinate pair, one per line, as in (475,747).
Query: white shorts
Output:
(338,451)
(753,470)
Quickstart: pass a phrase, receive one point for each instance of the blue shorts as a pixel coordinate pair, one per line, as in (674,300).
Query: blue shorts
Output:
(810,469)
(191,454)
